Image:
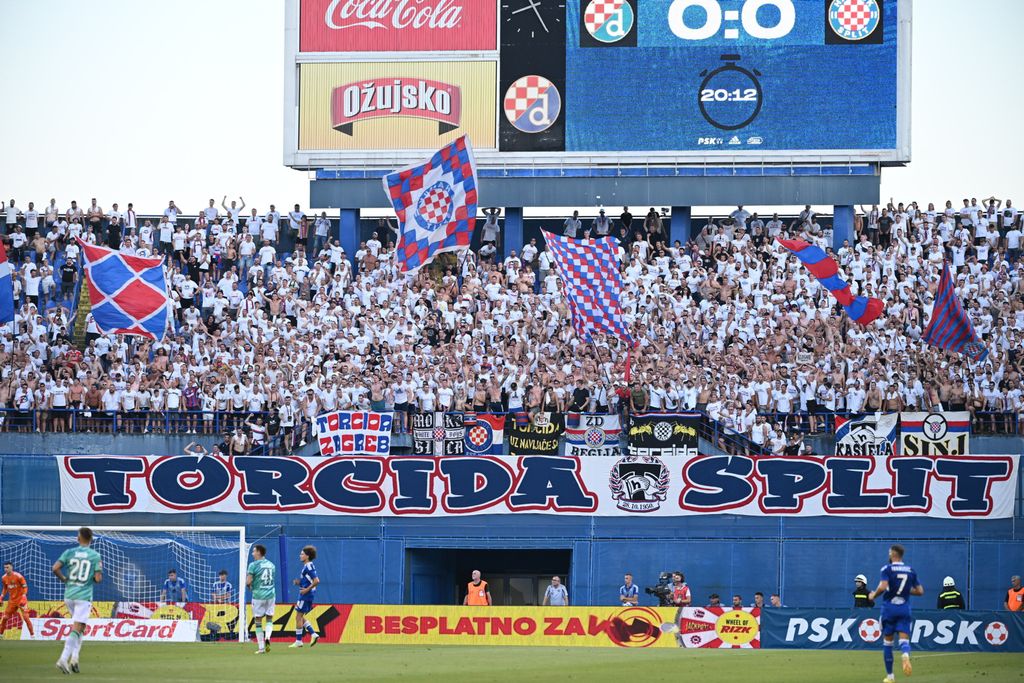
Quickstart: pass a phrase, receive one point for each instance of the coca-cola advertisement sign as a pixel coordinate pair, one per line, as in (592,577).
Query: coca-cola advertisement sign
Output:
(397,25)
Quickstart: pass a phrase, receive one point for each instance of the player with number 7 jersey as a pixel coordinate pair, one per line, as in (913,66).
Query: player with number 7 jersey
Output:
(897,583)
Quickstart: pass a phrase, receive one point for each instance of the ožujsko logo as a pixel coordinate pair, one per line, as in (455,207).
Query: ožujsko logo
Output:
(400,14)
(608,21)
(532,104)
(854,19)
(386,97)
(639,483)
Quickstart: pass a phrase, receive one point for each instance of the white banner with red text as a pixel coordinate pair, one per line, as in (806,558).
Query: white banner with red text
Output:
(635,485)
(117,630)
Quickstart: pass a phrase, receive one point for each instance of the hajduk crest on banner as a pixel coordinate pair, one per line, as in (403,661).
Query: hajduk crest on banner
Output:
(436,203)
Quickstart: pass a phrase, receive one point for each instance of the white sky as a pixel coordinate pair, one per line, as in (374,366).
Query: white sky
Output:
(145,101)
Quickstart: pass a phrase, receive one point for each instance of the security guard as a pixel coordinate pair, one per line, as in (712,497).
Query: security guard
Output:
(950,597)
(861,592)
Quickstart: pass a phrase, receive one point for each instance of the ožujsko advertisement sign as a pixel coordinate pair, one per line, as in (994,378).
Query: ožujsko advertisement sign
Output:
(397,25)
(942,487)
(396,105)
(861,630)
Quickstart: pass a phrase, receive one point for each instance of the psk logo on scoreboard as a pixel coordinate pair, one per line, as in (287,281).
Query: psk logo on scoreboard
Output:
(609,21)
(854,20)
(532,104)
(434,207)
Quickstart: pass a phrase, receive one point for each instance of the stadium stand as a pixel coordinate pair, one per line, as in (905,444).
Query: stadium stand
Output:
(275,323)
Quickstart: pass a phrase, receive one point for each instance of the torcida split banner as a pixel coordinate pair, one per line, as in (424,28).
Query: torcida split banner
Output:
(972,487)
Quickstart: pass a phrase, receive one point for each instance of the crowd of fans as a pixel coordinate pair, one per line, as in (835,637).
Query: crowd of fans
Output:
(274,323)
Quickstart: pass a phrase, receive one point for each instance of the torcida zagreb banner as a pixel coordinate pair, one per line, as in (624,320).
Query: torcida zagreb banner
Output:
(974,487)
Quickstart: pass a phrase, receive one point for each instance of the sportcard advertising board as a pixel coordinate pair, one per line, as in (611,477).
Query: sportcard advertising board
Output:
(592,434)
(730,74)
(117,630)
(978,487)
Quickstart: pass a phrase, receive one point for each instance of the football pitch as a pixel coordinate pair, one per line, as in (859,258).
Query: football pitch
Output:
(451,664)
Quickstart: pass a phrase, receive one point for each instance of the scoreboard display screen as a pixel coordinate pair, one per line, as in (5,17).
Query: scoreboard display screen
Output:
(375,82)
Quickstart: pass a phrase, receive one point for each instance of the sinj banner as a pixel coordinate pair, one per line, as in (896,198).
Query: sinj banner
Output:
(874,434)
(978,487)
(935,433)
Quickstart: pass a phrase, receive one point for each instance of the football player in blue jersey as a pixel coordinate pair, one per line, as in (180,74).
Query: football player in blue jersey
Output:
(898,582)
(307,583)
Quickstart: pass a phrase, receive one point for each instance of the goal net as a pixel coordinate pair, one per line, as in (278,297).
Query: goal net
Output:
(136,562)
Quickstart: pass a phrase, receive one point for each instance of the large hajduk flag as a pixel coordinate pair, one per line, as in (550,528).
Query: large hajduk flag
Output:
(949,327)
(6,288)
(590,272)
(861,309)
(128,293)
(435,202)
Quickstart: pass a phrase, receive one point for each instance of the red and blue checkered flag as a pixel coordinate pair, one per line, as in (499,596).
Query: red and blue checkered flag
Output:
(435,203)
(590,272)
(861,309)
(128,293)
(950,328)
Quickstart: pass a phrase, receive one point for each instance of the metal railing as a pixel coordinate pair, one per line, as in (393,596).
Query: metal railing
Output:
(987,422)
(162,422)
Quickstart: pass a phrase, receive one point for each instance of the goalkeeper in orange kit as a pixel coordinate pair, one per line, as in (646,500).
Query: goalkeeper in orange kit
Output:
(16,590)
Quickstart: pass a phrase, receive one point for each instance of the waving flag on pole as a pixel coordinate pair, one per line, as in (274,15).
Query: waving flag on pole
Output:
(950,328)
(590,272)
(128,293)
(861,309)
(435,203)
(6,288)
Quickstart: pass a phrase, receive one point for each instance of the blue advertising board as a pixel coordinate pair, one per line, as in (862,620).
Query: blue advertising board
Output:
(737,75)
(859,629)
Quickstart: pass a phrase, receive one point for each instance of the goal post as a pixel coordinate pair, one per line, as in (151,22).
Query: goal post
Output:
(136,560)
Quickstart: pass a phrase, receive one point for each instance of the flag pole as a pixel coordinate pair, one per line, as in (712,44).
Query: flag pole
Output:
(597,357)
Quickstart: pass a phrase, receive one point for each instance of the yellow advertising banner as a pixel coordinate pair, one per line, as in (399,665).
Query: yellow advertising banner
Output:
(396,105)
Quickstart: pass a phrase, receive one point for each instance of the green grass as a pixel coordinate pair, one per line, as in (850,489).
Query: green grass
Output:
(145,663)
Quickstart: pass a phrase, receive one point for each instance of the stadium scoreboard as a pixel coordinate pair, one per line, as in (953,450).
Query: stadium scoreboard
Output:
(375,83)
